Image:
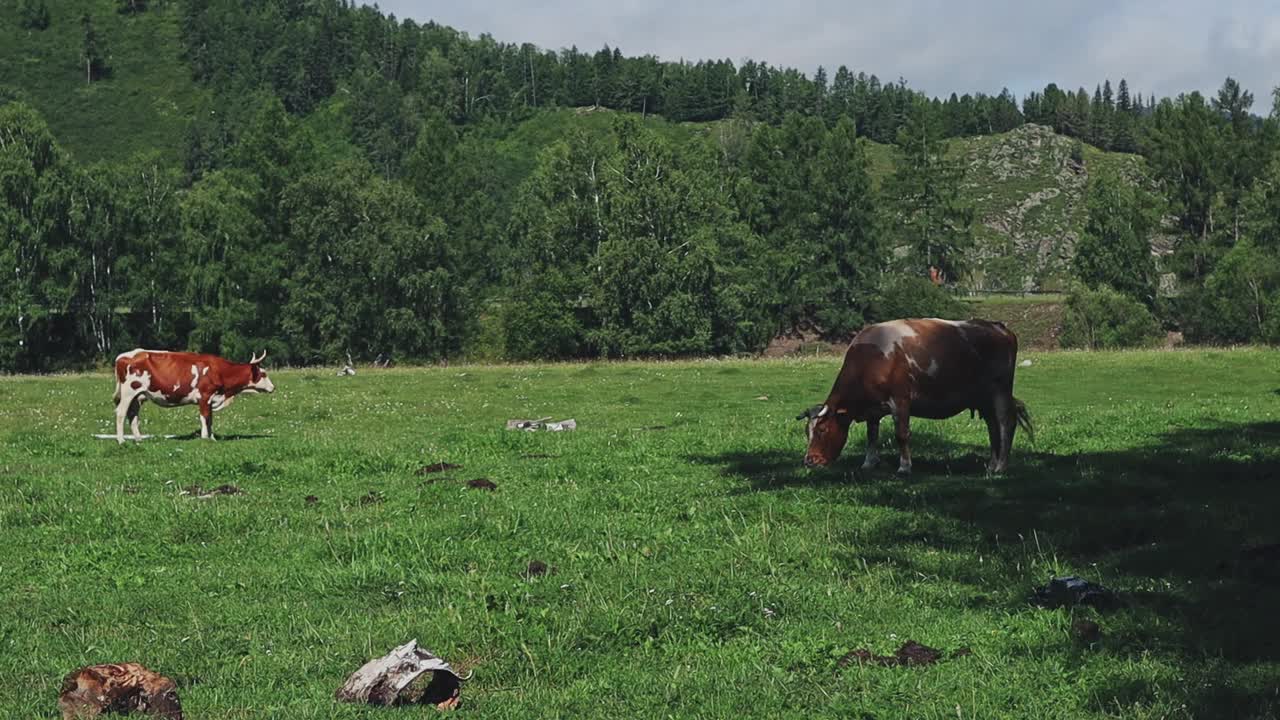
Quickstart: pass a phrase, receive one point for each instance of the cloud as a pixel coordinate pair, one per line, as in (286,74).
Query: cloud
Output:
(938,46)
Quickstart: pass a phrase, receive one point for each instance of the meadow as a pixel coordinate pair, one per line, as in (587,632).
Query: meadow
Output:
(694,568)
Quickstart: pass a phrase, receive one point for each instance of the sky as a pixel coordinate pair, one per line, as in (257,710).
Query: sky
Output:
(938,46)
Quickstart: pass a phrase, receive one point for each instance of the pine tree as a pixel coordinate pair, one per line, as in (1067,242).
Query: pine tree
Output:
(821,94)
(1122,97)
(937,225)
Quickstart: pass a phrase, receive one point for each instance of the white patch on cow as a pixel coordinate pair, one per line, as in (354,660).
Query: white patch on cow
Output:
(813,421)
(886,337)
(904,466)
(126,394)
(264,385)
(204,371)
(193,397)
(893,407)
(217,401)
(204,428)
(933,368)
(175,386)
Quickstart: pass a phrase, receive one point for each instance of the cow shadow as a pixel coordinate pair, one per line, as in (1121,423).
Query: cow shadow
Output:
(231,437)
(1183,526)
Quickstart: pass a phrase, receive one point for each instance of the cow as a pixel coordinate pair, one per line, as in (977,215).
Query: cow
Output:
(926,368)
(170,379)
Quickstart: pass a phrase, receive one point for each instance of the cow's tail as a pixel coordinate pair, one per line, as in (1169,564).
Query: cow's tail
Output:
(119,378)
(1023,418)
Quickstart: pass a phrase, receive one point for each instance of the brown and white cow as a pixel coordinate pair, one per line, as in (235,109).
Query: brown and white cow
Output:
(926,368)
(170,379)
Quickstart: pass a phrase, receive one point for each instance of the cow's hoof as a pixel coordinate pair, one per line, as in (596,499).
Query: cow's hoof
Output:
(904,472)
(868,466)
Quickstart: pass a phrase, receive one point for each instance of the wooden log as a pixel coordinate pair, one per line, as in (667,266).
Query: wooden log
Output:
(387,680)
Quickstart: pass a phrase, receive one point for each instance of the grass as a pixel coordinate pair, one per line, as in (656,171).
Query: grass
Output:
(697,569)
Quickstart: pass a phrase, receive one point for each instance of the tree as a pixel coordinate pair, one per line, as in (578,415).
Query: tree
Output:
(848,258)
(1183,148)
(1005,115)
(33,15)
(657,286)
(372,270)
(935,223)
(1115,248)
(1103,319)
(1124,133)
(555,227)
(31,168)
(1239,163)
(438,85)
(92,53)
(623,247)
(147,200)
(233,271)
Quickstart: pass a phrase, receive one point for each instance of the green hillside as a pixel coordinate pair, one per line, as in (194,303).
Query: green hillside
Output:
(1024,185)
(625,205)
(145,103)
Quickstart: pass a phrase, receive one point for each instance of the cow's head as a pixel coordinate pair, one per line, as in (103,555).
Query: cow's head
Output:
(258,381)
(828,432)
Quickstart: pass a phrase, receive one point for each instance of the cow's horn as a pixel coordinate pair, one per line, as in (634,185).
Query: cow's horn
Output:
(257,359)
(823,412)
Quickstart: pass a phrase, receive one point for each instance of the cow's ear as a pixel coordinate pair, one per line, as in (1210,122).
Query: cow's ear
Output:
(810,413)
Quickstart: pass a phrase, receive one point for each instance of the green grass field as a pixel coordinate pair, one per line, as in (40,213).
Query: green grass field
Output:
(696,569)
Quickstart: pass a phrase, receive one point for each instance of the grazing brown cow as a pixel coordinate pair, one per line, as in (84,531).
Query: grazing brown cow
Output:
(920,368)
(170,379)
(118,688)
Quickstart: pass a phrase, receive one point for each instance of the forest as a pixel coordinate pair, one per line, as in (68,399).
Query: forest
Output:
(343,185)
